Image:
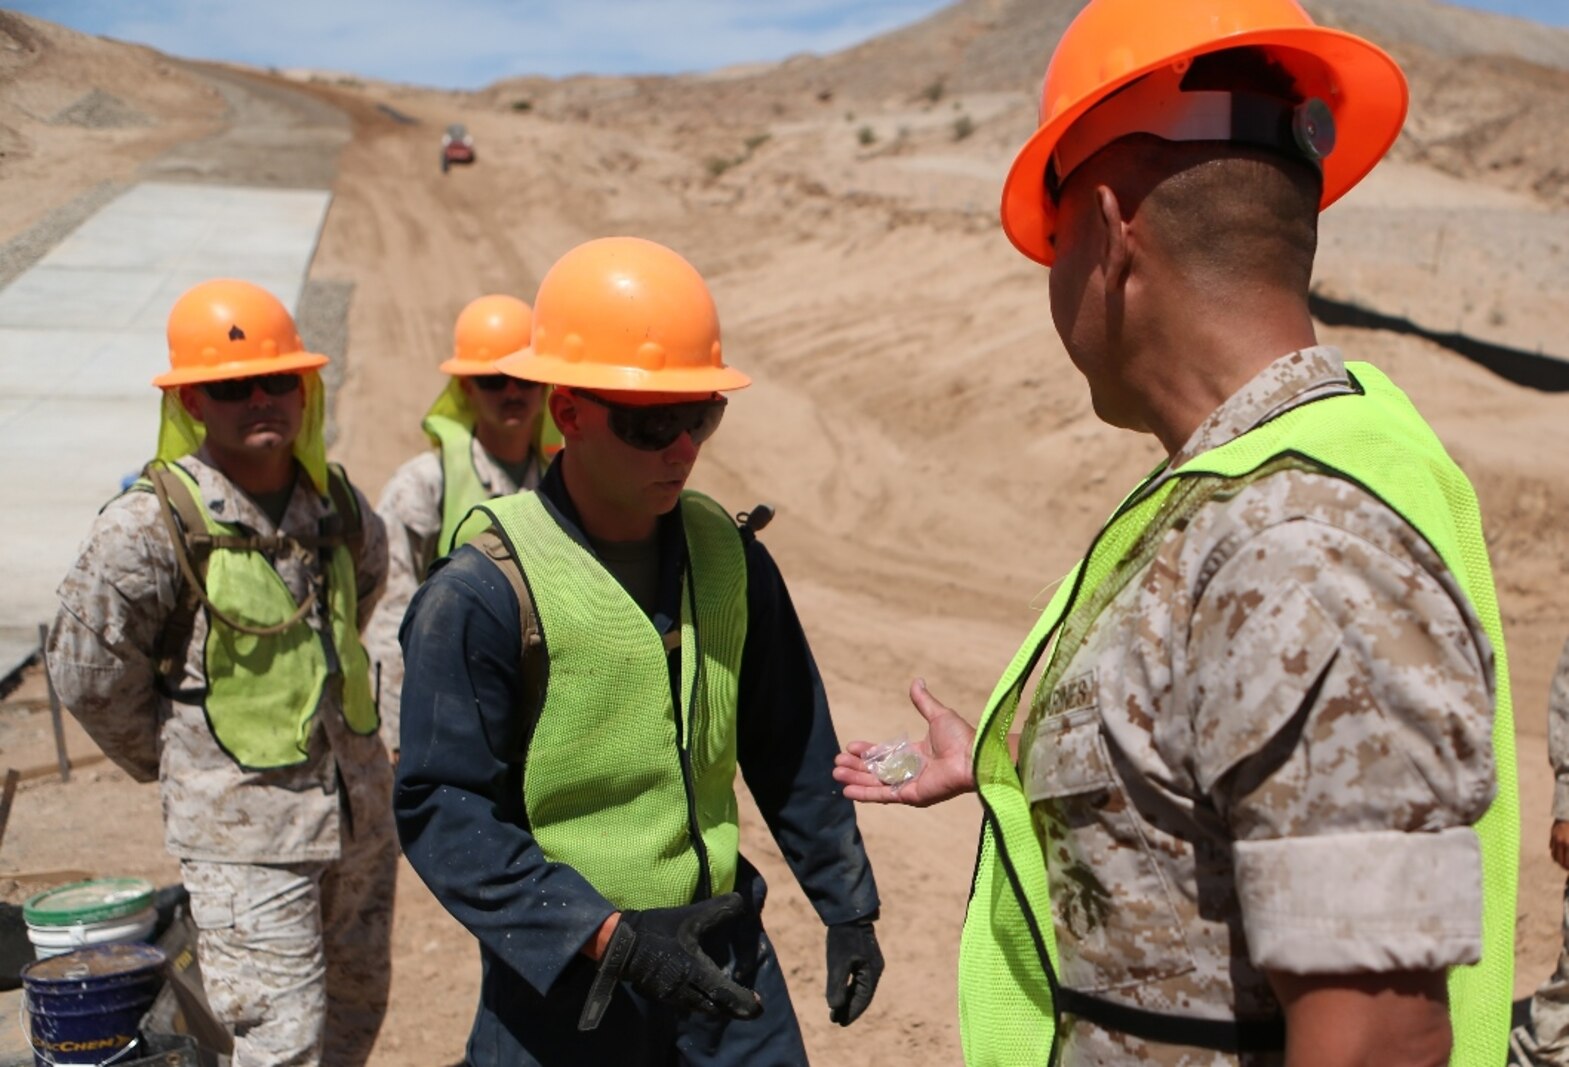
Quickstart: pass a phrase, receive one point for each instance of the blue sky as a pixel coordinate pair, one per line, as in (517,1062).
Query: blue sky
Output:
(470,43)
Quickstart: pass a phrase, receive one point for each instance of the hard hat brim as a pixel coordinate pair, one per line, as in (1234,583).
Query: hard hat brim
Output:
(1368,119)
(469,368)
(249,368)
(553,370)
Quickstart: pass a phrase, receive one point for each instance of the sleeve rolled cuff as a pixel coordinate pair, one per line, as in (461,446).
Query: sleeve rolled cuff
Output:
(1363,902)
(1561,799)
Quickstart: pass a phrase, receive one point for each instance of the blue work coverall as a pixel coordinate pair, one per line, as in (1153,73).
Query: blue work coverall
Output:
(460,813)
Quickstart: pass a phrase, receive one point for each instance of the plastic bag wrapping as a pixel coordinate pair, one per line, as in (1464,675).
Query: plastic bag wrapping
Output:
(894,762)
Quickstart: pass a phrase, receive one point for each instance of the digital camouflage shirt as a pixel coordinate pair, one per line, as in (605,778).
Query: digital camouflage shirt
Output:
(1267,754)
(411,508)
(102,657)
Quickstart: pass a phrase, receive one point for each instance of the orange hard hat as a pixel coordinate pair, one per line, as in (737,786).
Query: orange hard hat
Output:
(1114,43)
(626,314)
(489,328)
(232,329)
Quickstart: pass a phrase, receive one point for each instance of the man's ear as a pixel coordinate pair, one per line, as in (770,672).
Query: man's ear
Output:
(1116,243)
(564,410)
(191,400)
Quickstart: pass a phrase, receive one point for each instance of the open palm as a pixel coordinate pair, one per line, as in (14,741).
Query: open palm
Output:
(945,760)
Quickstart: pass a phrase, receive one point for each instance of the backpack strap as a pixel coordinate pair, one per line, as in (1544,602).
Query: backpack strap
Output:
(181,514)
(186,525)
(346,504)
(532,662)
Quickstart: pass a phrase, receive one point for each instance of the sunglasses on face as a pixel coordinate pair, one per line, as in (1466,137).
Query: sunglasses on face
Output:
(234,390)
(495,383)
(658,426)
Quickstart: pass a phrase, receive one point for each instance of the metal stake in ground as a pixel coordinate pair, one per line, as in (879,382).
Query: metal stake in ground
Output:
(54,708)
(7,793)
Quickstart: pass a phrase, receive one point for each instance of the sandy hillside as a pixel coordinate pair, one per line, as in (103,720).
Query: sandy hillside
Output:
(76,111)
(931,451)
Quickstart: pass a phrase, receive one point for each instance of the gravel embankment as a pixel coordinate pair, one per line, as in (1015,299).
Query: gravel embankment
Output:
(32,244)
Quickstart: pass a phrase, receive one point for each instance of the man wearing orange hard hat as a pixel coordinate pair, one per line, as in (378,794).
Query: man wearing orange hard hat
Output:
(208,640)
(584,678)
(1261,806)
(490,437)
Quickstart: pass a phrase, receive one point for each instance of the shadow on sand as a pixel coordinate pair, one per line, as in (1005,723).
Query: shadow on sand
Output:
(1534,370)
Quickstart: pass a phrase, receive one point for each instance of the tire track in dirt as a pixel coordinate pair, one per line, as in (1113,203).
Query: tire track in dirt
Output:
(418,245)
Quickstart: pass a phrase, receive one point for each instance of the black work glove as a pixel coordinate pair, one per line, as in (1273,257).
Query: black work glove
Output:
(855,963)
(657,952)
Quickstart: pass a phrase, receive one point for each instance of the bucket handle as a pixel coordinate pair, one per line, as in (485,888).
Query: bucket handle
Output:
(24,1010)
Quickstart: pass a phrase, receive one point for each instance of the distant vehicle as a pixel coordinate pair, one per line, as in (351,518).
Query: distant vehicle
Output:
(457,146)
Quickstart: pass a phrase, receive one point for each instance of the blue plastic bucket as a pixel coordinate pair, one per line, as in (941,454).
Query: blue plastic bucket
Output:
(86,1007)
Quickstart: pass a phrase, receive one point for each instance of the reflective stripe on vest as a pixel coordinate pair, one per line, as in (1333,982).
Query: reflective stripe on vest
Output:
(615,781)
(1376,439)
(263,692)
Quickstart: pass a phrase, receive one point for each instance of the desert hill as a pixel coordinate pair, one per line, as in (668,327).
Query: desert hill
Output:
(930,449)
(1490,81)
(77,111)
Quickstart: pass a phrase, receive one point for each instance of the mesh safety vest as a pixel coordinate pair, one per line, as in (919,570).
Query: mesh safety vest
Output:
(1376,439)
(461,489)
(620,783)
(263,690)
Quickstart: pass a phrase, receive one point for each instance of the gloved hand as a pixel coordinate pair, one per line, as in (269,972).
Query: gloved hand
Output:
(657,952)
(855,963)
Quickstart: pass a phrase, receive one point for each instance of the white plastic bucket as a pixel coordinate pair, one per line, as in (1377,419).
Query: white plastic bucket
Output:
(55,940)
(103,911)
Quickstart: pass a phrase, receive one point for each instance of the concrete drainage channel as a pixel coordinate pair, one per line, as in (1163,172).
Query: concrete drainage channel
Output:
(83,298)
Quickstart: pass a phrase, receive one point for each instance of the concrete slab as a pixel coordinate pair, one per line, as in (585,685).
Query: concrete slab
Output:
(82,335)
(67,299)
(17,647)
(41,363)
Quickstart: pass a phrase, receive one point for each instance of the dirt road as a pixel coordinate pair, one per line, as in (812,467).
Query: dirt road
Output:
(913,418)
(931,451)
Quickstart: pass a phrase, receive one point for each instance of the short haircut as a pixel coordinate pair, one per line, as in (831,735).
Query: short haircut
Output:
(1224,212)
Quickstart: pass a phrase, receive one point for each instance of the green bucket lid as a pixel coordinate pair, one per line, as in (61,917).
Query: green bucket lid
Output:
(88,902)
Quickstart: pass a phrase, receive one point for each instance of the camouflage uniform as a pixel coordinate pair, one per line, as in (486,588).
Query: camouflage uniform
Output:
(1266,754)
(1546,1043)
(411,507)
(290,871)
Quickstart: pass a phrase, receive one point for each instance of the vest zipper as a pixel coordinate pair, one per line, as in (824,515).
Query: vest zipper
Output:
(1035,933)
(989,814)
(705,886)
(705,883)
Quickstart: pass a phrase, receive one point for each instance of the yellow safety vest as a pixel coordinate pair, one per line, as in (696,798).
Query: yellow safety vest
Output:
(1376,439)
(450,426)
(620,784)
(264,689)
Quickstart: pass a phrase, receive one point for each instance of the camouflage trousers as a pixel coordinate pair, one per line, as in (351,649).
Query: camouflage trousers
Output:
(296,958)
(1547,1042)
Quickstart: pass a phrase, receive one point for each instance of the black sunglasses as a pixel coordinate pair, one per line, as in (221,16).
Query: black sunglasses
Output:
(658,426)
(234,390)
(495,383)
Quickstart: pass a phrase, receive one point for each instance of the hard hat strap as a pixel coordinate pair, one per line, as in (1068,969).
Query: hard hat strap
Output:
(1155,105)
